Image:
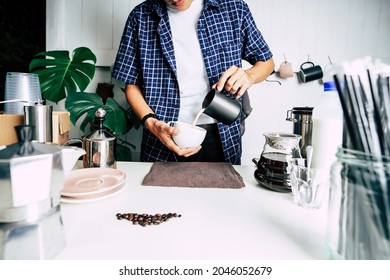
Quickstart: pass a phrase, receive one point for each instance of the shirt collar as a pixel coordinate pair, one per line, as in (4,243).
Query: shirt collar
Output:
(213,3)
(160,8)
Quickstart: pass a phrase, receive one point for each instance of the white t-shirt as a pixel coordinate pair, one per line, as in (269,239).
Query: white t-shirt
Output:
(191,71)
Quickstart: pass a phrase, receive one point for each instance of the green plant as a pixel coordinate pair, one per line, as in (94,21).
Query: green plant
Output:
(59,74)
(89,104)
(62,77)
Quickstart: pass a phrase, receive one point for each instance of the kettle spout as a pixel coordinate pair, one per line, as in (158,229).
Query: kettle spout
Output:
(70,155)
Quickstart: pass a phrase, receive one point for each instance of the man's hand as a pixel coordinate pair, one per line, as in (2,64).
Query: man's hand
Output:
(164,133)
(235,80)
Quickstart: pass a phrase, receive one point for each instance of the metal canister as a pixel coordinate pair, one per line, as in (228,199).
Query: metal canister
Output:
(40,116)
(100,145)
(301,117)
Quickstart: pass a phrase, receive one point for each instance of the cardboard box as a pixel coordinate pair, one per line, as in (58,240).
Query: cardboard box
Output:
(60,121)
(61,127)
(7,128)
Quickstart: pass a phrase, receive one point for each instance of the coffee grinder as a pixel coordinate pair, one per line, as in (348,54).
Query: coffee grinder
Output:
(301,117)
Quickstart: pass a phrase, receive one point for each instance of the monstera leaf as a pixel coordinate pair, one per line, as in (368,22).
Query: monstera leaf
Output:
(60,75)
(80,104)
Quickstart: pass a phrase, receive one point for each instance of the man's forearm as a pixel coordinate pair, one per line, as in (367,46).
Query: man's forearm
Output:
(261,70)
(137,101)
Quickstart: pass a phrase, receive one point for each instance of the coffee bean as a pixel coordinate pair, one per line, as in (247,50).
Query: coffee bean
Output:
(146,219)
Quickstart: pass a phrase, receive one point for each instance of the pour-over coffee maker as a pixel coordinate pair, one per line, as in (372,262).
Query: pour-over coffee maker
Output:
(272,168)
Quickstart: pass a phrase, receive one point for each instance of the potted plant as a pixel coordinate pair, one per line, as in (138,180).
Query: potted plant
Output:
(64,77)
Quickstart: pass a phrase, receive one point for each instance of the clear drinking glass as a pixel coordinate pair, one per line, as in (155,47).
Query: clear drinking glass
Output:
(359,206)
(309,185)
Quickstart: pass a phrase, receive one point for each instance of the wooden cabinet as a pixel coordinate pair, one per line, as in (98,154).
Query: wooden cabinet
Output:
(96,24)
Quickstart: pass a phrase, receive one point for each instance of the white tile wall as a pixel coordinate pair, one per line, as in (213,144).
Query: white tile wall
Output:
(296,29)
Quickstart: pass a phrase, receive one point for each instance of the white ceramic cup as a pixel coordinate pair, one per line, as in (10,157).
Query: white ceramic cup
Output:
(189,135)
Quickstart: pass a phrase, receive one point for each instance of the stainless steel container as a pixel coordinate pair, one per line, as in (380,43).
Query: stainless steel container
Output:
(32,176)
(40,116)
(100,145)
(301,117)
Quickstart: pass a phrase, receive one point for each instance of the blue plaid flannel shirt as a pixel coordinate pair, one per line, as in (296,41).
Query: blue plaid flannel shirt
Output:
(227,35)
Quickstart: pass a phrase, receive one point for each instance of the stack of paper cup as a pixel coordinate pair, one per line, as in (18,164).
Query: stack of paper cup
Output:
(20,88)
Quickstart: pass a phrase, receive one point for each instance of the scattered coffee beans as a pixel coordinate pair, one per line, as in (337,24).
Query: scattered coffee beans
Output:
(146,219)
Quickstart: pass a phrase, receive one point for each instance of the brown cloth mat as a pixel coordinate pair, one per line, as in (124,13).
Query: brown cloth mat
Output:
(193,175)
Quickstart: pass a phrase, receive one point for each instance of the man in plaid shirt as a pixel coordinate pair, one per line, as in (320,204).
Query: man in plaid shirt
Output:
(170,55)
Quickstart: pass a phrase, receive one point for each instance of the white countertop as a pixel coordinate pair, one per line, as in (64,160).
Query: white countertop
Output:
(216,224)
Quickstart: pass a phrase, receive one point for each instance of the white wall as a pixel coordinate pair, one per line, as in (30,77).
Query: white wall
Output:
(322,29)
(295,29)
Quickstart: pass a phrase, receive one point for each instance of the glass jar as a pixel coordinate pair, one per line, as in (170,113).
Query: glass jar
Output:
(272,168)
(359,206)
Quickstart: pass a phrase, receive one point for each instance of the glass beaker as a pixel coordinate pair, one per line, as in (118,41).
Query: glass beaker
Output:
(359,206)
(272,168)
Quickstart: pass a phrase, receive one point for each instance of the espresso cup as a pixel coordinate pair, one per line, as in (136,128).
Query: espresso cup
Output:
(310,72)
(222,107)
(285,70)
(189,135)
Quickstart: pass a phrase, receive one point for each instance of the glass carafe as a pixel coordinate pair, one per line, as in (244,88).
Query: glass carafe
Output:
(272,168)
